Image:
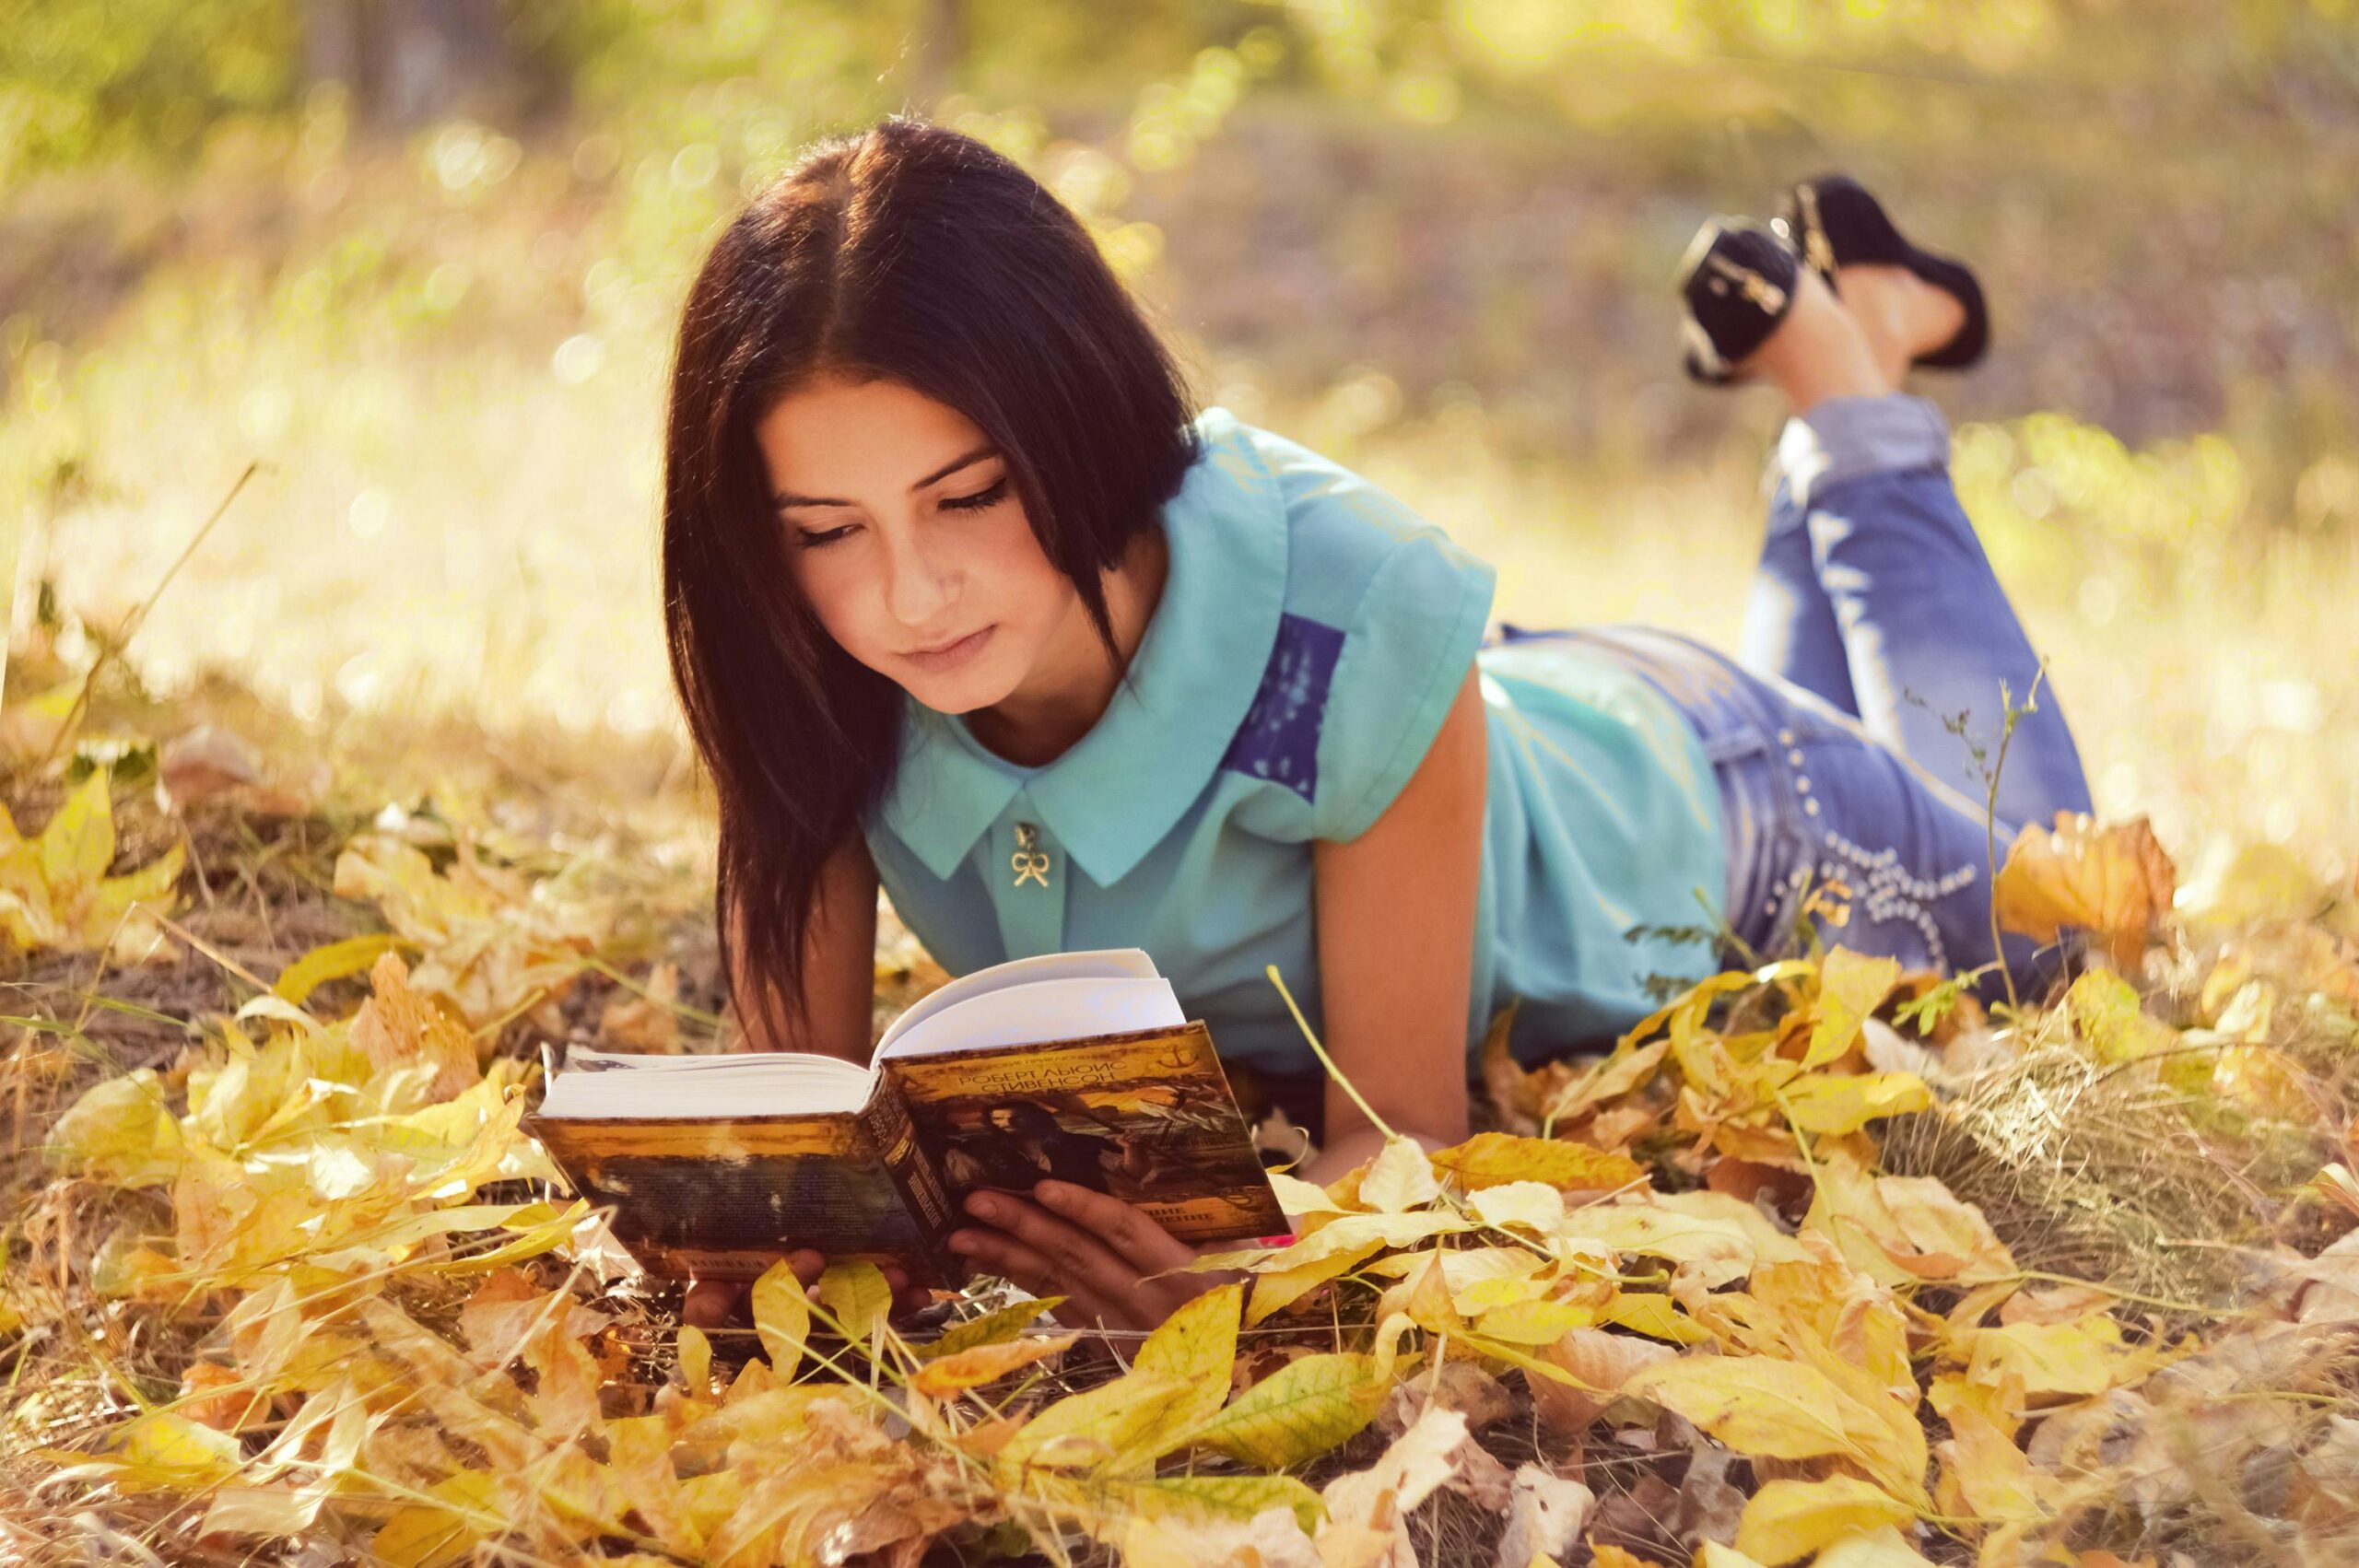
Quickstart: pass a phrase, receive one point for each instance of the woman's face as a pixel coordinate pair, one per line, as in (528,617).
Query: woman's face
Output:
(904,531)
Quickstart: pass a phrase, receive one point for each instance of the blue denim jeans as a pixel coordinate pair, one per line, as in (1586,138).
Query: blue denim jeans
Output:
(1853,735)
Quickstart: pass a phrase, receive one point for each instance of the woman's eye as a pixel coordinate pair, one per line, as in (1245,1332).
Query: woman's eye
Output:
(810,539)
(992,496)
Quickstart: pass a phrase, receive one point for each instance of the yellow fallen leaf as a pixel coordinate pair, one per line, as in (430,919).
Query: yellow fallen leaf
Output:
(857,1295)
(1756,1405)
(1712,1554)
(1876,1549)
(1299,1411)
(1116,1429)
(1275,1289)
(1366,1509)
(335,961)
(1710,1237)
(1606,1555)
(1182,1499)
(1627,1068)
(1850,987)
(2108,1017)
(1984,1475)
(2059,1360)
(1534,1204)
(2112,880)
(1654,1315)
(1491,1159)
(164,1449)
(696,1359)
(1298,1197)
(121,1130)
(992,1327)
(263,1511)
(1197,1344)
(1399,1179)
(961,1370)
(1832,1104)
(463,1510)
(1787,1519)
(1533,1322)
(1600,1364)
(398,1027)
(782,1318)
(54,892)
(1354,1231)
(1902,1229)
(1271,1539)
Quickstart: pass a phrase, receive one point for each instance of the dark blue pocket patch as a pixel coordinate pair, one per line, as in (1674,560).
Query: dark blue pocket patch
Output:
(1279,740)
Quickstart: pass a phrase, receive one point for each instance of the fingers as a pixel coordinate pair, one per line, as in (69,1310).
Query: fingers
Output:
(710,1303)
(715,1304)
(1135,1238)
(996,1252)
(1095,1249)
(1076,1257)
(907,1297)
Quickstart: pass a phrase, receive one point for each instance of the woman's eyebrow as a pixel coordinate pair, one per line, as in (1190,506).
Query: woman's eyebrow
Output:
(787,498)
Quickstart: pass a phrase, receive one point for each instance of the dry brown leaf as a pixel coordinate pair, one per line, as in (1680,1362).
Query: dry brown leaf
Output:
(1545,1514)
(1602,1361)
(2112,880)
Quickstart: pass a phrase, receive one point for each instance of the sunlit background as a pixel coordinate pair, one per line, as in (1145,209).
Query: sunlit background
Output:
(421,263)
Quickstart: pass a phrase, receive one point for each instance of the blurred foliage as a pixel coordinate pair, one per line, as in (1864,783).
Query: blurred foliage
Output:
(1430,237)
(86,81)
(80,82)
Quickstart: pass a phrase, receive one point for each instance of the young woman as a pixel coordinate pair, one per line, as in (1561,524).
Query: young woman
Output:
(962,600)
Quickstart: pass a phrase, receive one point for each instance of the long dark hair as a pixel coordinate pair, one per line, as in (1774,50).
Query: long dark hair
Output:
(912,254)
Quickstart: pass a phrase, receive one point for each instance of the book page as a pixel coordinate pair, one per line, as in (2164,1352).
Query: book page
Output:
(1041,1009)
(1112,964)
(622,1085)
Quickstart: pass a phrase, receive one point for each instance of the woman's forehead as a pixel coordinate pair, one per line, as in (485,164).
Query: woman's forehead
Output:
(834,436)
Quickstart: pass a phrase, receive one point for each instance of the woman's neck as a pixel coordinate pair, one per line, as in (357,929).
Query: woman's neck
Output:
(1055,707)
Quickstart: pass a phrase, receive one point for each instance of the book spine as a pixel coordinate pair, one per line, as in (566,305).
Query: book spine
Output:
(886,1122)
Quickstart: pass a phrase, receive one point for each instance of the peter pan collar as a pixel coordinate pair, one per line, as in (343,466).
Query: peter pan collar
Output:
(1118,791)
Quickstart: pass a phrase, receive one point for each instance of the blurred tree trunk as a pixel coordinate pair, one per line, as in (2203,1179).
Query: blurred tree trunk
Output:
(940,45)
(408,62)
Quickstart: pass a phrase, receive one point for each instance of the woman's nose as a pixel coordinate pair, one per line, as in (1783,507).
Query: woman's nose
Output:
(919,585)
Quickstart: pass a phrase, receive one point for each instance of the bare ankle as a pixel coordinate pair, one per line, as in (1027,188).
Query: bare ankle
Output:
(1818,351)
(1902,315)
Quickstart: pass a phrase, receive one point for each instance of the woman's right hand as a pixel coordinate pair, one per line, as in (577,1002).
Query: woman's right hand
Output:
(718,1303)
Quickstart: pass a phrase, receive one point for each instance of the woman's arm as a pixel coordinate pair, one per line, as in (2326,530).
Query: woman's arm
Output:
(839,970)
(1395,910)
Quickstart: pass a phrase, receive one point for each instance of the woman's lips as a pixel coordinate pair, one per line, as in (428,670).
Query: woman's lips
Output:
(954,655)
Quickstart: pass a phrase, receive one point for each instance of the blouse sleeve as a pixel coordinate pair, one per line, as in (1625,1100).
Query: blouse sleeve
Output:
(1406,648)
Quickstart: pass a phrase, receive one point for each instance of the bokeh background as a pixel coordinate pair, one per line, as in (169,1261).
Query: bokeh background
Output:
(421,260)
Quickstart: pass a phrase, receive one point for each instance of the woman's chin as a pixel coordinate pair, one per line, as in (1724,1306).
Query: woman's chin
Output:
(955,694)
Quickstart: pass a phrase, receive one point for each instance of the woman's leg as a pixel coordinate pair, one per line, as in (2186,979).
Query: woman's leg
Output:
(1790,626)
(1814,802)
(1818,352)
(1931,652)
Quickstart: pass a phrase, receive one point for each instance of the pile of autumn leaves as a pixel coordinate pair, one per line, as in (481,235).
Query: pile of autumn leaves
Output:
(382,1358)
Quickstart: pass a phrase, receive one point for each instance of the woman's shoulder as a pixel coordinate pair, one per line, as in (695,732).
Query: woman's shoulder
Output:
(1382,614)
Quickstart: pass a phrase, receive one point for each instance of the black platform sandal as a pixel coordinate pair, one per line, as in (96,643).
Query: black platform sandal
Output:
(1738,281)
(1833,222)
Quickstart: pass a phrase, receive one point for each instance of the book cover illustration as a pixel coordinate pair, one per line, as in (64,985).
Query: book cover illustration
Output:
(1147,1116)
(715,1200)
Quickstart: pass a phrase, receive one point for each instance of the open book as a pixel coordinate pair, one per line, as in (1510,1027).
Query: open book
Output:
(1079,1066)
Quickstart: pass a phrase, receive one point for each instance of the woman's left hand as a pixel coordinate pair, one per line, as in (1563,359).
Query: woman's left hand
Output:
(1094,1250)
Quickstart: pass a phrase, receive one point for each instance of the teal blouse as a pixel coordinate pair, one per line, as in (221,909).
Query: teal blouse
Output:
(1311,635)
